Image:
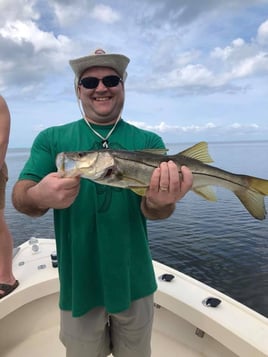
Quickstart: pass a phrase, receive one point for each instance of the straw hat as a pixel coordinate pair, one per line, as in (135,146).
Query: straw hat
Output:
(100,59)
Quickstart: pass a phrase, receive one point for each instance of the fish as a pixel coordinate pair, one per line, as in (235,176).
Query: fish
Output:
(133,170)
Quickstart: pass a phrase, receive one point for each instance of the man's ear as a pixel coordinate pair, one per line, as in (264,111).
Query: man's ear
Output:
(78,92)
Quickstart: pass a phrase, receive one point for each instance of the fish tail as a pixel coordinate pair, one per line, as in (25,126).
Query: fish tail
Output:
(260,185)
(252,197)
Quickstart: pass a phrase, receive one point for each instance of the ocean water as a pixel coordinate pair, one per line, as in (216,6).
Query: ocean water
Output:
(218,243)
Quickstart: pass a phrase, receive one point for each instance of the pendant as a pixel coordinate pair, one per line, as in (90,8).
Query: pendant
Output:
(105,144)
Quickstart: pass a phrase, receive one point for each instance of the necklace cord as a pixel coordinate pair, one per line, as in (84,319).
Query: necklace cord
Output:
(104,139)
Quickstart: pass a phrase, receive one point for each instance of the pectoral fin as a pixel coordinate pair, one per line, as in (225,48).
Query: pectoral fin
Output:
(141,191)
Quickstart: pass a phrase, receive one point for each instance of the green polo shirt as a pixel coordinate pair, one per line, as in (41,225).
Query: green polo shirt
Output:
(102,244)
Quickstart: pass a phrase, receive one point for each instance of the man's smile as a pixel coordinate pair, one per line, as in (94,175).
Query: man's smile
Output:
(102,99)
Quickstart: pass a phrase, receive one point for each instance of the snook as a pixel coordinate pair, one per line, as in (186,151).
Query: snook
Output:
(133,170)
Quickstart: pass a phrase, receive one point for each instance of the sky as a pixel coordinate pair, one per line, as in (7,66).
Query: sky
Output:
(198,69)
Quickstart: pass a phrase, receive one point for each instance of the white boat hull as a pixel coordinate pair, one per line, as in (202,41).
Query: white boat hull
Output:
(183,326)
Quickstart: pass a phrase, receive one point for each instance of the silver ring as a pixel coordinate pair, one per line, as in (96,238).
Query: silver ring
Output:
(163,188)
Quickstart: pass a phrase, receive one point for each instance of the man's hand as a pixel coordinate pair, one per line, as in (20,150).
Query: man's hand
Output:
(54,191)
(167,186)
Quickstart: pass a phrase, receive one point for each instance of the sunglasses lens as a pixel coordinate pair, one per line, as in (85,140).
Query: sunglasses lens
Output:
(111,81)
(89,82)
(93,82)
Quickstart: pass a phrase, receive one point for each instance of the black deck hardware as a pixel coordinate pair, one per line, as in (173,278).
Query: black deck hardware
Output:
(211,302)
(167,277)
(54,259)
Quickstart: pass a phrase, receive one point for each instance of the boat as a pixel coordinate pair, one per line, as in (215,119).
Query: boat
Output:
(191,318)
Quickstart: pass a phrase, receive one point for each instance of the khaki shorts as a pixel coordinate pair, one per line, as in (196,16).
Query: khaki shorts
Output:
(3,181)
(97,333)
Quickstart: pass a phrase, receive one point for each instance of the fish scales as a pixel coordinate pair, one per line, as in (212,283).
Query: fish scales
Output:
(133,170)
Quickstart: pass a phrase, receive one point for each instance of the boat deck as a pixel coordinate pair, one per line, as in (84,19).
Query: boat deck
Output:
(45,342)
(183,326)
(37,345)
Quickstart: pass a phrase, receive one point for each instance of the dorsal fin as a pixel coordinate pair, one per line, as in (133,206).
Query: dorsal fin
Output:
(199,152)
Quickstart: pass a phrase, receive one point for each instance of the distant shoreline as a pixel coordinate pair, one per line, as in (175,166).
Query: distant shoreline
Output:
(180,143)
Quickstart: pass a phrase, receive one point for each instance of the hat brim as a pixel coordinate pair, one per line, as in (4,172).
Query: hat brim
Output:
(115,61)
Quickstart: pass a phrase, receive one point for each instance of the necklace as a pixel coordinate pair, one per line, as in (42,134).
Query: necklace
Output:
(104,141)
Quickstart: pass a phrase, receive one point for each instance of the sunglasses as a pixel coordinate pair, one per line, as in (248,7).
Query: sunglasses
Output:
(93,82)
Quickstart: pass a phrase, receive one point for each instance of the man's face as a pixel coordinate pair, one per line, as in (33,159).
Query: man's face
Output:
(102,104)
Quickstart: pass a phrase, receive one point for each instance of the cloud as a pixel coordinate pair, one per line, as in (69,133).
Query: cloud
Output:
(165,128)
(23,10)
(67,13)
(221,69)
(213,53)
(255,65)
(20,32)
(164,64)
(229,52)
(244,59)
(190,75)
(105,14)
(241,126)
(36,53)
(262,36)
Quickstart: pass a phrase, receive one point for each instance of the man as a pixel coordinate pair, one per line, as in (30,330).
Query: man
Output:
(8,283)
(105,268)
